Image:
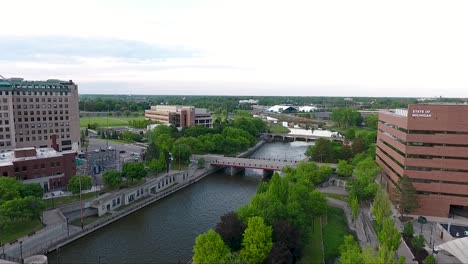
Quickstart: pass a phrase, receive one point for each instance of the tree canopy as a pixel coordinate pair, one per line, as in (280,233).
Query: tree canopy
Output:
(209,248)
(74,183)
(257,242)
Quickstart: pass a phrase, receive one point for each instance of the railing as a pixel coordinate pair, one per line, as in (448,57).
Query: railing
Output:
(11,259)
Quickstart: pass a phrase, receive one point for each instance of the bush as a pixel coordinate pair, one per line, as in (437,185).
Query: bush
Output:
(418,242)
(430,260)
(408,229)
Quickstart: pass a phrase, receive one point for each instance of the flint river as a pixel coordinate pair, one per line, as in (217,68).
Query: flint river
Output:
(165,231)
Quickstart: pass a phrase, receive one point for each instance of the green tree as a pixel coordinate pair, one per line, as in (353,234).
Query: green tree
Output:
(405,195)
(201,163)
(346,117)
(134,171)
(389,235)
(112,179)
(9,189)
(181,152)
(127,113)
(209,248)
(350,252)
(381,207)
(344,168)
(372,121)
(354,204)
(321,151)
(430,260)
(28,207)
(74,183)
(257,242)
(233,258)
(418,242)
(408,229)
(31,189)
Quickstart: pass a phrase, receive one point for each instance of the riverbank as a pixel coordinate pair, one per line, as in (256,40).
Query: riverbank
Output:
(60,233)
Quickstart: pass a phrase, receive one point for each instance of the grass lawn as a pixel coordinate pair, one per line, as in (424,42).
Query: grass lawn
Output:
(55,202)
(334,232)
(108,121)
(19,229)
(313,251)
(279,129)
(340,197)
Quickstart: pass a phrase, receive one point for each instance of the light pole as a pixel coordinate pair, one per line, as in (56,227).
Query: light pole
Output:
(81,204)
(68,229)
(21,251)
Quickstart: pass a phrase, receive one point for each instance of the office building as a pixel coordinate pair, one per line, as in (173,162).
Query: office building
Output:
(44,166)
(179,116)
(33,113)
(429,144)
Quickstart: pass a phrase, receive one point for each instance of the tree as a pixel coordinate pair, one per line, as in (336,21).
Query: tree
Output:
(354,204)
(350,252)
(9,189)
(112,179)
(359,145)
(134,170)
(74,183)
(231,228)
(127,113)
(257,242)
(346,117)
(286,235)
(22,208)
(233,258)
(344,168)
(381,207)
(201,163)
(280,254)
(430,260)
(389,235)
(405,195)
(209,248)
(372,121)
(31,189)
(408,229)
(321,151)
(181,152)
(418,242)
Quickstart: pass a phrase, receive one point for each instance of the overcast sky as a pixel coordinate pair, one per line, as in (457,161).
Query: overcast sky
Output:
(240,47)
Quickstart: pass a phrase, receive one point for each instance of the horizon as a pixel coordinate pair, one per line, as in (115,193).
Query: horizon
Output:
(364,47)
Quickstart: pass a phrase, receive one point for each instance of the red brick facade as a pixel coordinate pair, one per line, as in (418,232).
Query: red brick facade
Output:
(430,146)
(50,171)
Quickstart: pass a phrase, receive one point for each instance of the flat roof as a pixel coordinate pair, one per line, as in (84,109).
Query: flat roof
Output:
(7,158)
(19,84)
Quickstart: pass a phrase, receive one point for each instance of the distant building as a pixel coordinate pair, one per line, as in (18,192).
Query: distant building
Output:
(45,166)
(249,101)
(180,116)
(291,108)
(32,113)
(429,144)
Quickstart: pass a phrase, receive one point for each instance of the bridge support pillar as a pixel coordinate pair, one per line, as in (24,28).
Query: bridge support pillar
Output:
(267,174)
(233,170)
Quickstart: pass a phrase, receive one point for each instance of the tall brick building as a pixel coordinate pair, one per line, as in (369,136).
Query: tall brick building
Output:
(429,144)
(33,113)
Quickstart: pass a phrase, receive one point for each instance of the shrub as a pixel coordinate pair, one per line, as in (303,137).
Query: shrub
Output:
(408,229)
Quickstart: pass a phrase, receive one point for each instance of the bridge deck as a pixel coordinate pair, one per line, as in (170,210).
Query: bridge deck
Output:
(265,164)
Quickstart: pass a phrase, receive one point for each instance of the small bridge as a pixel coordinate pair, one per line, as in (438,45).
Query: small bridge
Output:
(292,137)
(235,165)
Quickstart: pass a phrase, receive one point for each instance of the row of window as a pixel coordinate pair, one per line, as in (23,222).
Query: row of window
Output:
(38,106)
(33,92)
(36,166)
(44,118)
(39,131)
(6,143)
(165,182)
(34,138)
(423,132)
(421,144)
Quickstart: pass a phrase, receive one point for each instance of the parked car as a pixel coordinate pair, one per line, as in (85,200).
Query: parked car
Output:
(122,151)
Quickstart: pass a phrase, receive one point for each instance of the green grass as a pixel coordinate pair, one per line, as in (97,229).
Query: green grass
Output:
(108,121)
(340,197)
(334,232)
(313,251)
(279,129)
(20,228)
(55,202)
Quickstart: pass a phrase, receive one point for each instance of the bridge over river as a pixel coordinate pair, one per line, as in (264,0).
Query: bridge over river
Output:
(237,164)
(295,137)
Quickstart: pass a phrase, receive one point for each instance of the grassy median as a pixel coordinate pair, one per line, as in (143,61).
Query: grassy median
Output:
(313,250)
(334,232)
(18,229)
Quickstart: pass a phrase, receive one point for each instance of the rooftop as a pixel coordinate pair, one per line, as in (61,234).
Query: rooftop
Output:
(19,84)
(7,158)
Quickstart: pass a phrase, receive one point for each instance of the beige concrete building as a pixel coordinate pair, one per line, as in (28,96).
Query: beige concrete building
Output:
(39,114)
(180,116)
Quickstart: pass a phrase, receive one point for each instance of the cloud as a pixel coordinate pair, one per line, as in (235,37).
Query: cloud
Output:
(61,48)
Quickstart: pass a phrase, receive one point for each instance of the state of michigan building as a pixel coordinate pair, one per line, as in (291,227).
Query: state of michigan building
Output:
(39,114)
(429,144)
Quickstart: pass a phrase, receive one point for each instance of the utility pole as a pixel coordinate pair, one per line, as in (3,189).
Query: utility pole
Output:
(81,204)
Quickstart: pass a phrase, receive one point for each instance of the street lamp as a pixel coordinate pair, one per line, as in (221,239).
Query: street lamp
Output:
(21,251)
(68,229)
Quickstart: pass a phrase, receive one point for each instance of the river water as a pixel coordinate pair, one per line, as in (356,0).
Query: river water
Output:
(165,231)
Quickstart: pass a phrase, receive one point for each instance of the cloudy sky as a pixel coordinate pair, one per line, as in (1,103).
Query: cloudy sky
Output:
(240,47)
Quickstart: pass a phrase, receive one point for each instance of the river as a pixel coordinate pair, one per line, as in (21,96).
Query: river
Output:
(165,231)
